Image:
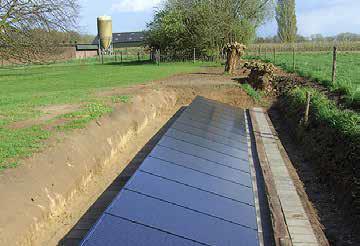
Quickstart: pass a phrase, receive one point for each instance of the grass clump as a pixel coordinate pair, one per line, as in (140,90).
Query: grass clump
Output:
(254,94)
(79,119)
(17,143)
(120,99)
(326,112)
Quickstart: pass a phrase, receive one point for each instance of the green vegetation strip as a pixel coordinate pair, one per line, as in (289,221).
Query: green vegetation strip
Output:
(318,66)
(25,90)
(326,112)
(254,94)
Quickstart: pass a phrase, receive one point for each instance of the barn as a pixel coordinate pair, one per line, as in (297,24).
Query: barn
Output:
(126,39)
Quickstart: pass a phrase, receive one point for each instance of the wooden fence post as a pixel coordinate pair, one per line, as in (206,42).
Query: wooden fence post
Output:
(333,77)
(274,55)
(259,51)
(194,55)
(308,99)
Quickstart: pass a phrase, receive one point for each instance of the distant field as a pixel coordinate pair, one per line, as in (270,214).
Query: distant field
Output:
(319,67)
(24,91)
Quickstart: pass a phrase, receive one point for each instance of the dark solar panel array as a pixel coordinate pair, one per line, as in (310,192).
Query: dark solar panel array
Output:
(194,188)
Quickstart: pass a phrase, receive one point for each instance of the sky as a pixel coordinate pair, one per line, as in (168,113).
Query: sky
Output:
(326,17)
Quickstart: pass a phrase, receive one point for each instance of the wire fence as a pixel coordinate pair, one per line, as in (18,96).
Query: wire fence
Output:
(332,66)
(254,49)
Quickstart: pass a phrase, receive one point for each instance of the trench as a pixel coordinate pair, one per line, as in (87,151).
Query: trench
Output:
(77,233)
(108,152)
(66,200)
(85,223)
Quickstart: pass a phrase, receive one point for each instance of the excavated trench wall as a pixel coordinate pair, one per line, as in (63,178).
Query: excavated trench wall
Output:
(48,193)
(336,156)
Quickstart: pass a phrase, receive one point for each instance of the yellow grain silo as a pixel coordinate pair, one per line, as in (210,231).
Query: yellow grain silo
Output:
(104,24)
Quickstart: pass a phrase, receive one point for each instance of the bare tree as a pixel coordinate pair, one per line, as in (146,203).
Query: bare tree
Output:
(26,26)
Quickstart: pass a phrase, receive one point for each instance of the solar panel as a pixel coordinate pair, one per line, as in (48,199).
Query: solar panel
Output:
(194,188)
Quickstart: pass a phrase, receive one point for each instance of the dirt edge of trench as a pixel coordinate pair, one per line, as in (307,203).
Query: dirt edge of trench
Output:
(46,195)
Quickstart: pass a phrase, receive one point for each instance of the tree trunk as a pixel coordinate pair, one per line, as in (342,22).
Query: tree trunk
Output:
(234,52)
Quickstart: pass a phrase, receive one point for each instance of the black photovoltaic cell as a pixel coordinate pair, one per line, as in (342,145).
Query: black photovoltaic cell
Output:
(180,221)
(205,153)
(174,157)
(237,144)
(194,188)
(112,231)
(216,124)
(203,142)
(213,129)
(191,198)
(198,180)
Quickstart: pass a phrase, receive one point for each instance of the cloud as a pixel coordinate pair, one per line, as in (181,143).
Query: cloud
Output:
(327,17)
(134,5)
(337,16)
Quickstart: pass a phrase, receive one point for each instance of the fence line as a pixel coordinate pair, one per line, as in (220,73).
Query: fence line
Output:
(305,47)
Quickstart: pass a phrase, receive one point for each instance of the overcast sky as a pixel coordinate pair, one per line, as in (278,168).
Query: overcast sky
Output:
(327,17)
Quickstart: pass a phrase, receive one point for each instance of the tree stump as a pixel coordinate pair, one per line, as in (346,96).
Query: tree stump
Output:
(234,52)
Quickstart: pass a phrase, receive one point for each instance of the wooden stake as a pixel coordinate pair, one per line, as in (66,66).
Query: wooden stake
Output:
(308,99)
(194,56)
(274,55)
(333,79)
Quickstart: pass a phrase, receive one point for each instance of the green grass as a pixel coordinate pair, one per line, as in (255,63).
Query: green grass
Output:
(318,66)
(254,94)
(24,89)
(326,112)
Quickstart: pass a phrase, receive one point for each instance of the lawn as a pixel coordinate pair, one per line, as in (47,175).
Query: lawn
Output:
(318,66)
(24,90)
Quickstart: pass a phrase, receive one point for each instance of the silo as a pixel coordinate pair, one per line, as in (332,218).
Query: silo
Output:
(104,24)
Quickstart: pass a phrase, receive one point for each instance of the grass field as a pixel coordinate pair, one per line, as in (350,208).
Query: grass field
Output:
(25,90)
(318,66)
